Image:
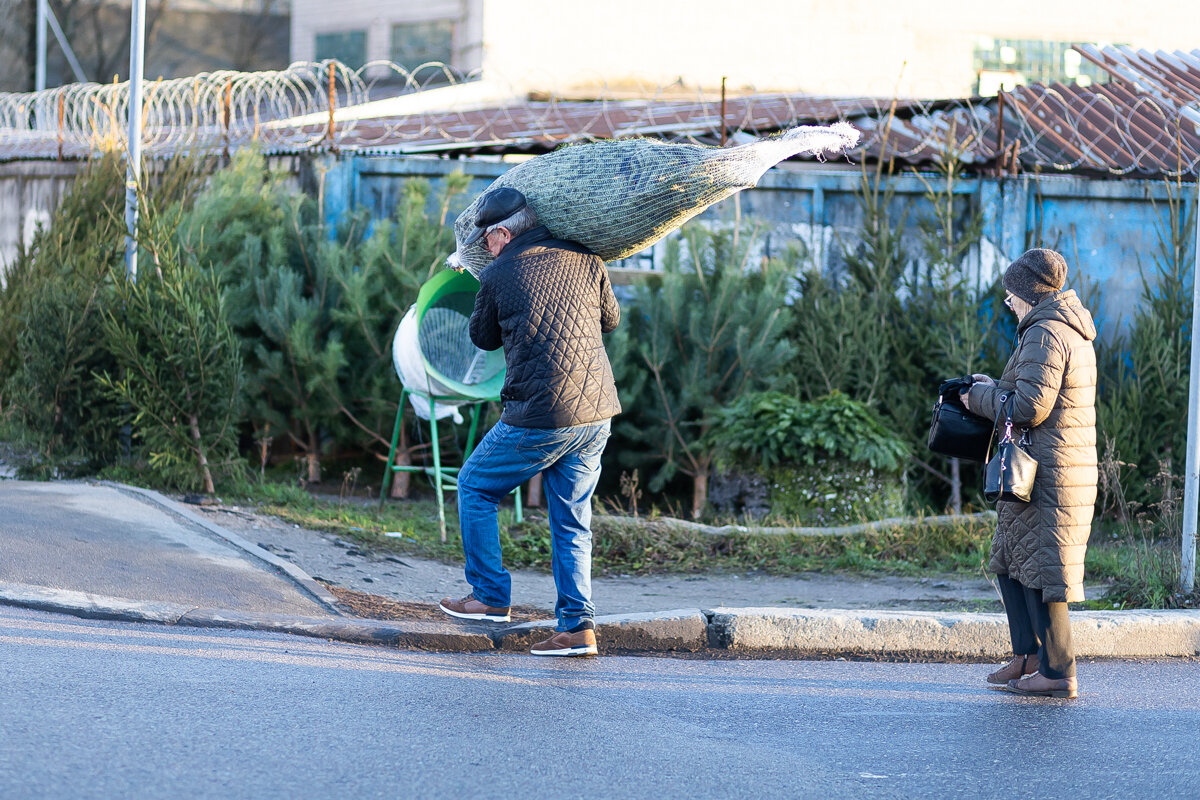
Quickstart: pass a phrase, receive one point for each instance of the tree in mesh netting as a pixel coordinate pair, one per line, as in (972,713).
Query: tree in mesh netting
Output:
(618,197)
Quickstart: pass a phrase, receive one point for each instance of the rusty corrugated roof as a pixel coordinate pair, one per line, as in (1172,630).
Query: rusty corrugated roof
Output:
(1145,121)
(542,126)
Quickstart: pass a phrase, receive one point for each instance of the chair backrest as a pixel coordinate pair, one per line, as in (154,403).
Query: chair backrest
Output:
(443,310)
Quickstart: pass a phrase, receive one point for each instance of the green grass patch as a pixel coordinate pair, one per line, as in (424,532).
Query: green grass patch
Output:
(653,546)
(1142,571)
(915,549)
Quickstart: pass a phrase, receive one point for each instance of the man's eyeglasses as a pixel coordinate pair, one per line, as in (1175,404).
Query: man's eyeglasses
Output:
(1008,300)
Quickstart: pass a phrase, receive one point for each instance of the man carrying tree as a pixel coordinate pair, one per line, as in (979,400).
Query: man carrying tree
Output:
(547,302)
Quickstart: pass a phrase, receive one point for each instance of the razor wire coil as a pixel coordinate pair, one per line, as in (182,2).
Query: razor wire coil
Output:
(1113,128)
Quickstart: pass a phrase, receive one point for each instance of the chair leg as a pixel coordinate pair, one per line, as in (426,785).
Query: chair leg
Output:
(471,433)
(437,469)
(388,472)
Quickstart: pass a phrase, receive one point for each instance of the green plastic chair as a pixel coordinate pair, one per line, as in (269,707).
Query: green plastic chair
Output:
(458,373)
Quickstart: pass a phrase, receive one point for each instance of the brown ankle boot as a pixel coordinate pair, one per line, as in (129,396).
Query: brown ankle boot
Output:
(1038,685)
(1017,668)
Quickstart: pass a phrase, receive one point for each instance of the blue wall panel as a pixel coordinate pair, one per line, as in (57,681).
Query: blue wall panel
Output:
(1107,229)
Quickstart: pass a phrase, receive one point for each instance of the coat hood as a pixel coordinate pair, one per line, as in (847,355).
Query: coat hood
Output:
(1064,307)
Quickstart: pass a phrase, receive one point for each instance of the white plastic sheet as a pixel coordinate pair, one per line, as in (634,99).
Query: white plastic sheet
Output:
(410,368)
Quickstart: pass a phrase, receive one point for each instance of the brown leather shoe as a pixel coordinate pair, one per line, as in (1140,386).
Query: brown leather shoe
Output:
(470,608)
(1017,668)
(563,643)
(1038,685)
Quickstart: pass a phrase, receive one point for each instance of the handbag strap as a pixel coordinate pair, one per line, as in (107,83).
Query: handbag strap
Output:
(1004,398)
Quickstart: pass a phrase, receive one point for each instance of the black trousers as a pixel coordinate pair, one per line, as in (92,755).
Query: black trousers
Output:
(1038,627)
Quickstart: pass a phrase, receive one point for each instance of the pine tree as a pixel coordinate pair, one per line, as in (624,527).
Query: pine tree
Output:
(1144,380)
(178,363)
(376,286)
(713,328)
(948,325)
(51,306)
(274,259)
(50,342)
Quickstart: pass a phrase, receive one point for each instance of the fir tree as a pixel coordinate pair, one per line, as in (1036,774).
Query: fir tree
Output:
(713,328)
(51,342)
(375,288)
(274,259)
(178,363)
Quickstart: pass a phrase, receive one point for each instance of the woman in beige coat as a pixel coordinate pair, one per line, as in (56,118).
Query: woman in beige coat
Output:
(1049,389)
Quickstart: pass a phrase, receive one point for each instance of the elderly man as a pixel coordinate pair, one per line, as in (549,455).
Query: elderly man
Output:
(547,302)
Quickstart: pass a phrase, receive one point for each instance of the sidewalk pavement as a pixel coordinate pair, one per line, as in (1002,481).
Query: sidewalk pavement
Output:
(109,551)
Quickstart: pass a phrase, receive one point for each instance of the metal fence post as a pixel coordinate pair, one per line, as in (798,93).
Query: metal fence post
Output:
(332,108)
(133,170)
(1191,488)
(62,100)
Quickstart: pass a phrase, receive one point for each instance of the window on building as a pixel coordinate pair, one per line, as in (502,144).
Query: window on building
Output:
(1002,64)
(348,47)
(416,43)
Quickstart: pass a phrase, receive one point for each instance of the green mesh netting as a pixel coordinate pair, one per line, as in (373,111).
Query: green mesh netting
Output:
(618,197)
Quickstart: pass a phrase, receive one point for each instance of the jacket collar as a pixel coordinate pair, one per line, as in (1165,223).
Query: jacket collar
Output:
(526,240)
(1064,307)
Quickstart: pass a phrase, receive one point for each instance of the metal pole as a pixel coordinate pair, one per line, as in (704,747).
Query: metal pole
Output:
(39,80)
(723,110)
(64,44)
(1191,486)
(133,171)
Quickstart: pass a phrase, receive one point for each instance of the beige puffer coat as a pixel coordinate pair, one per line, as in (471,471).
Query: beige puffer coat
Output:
(1051,381)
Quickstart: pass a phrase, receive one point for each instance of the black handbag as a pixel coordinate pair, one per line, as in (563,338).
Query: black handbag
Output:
(955,431)
(1010,472)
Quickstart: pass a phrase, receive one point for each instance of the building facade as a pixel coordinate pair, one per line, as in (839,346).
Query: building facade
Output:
(926,48)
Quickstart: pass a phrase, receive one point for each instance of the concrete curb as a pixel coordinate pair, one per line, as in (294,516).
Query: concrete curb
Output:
(290,570)
(1113,634)
(408,634)
(684,630)
(725,631)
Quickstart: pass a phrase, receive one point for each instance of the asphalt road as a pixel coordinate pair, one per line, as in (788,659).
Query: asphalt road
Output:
(98,540)
(100,709)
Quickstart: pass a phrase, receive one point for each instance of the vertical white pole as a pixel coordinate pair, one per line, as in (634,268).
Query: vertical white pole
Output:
(1191,485)
(39,79)
(133,171)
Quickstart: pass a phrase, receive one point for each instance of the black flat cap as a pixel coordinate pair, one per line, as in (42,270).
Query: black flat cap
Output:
(496,205)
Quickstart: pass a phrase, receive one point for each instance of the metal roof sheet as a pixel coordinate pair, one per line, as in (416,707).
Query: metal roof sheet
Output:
(1145,121)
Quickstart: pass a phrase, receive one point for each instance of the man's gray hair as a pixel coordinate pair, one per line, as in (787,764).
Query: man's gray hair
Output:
(518,223)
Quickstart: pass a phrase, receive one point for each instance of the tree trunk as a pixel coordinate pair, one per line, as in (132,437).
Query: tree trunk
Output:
(264,450)
(955,486)
(205,472)
(699,493)
(401,481)
(533,497)
(313,459)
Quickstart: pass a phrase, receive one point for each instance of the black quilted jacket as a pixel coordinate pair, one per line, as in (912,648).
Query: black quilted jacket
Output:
(546,301)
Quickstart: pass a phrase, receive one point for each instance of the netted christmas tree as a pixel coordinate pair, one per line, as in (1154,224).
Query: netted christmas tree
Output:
(619,196)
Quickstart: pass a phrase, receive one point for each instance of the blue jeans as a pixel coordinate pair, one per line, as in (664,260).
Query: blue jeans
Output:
(569,459)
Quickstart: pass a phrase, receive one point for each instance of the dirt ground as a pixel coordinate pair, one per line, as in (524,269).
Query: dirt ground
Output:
(409,587)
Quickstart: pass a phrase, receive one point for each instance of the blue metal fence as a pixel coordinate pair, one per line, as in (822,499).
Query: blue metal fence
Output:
(1108,230)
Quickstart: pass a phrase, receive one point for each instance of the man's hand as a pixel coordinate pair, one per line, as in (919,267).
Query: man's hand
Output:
(984,379)
(962,396)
